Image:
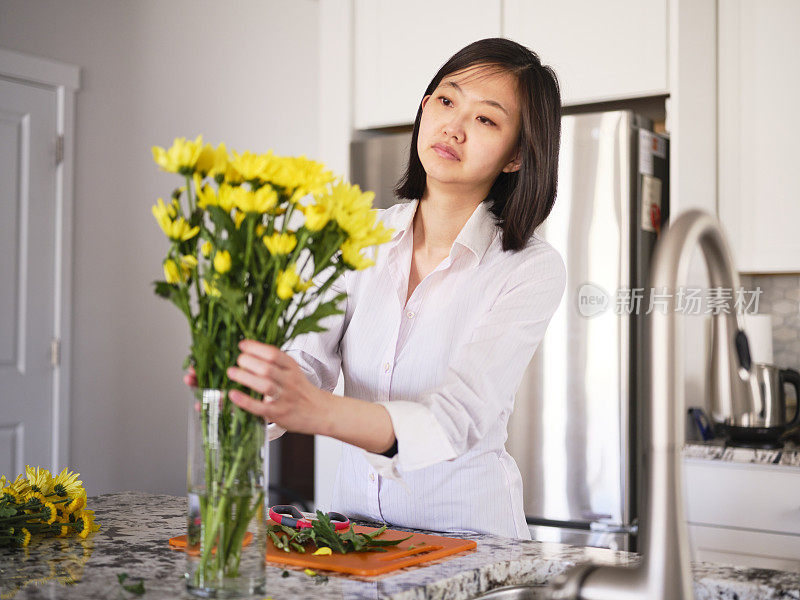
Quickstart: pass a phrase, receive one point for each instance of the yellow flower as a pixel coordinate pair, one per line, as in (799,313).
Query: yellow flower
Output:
(317,216)
(222,261)
(88,523)
(26,537)
(172,273)
(206,249)
(286,281)
(210,290)
(162,214)
(178,230)
(188,264)
(275,169)
(372,236)
(206,196)
(238,217)
(38,496)
(66,483)
(351,254)
(40,479)
(53,513)
(3,481)
(213,162)
(76,503)
(21,486)
(249,165)
(303,176)
(226,196)
(257,202)
(280,243)
(324,551)
(181,157)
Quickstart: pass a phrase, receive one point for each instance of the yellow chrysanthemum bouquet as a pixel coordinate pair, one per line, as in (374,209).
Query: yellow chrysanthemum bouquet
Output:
(38,503)
(256,242)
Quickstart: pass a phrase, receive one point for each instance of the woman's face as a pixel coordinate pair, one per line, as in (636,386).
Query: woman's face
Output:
(469,129)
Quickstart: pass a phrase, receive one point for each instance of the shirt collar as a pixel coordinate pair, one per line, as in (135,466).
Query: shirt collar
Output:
(476,236)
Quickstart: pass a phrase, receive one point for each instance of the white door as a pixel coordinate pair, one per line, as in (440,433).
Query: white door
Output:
(27,274)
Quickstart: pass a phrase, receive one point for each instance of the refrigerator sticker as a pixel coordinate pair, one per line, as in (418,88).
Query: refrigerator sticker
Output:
(659,147)
(651,204)
(645,152)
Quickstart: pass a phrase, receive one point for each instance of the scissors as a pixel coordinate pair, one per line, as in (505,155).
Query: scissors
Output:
(286,514)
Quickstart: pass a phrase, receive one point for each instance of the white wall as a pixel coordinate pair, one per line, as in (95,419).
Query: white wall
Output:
(244,72)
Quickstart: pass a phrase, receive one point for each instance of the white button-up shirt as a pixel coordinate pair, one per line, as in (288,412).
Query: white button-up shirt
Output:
(446,365)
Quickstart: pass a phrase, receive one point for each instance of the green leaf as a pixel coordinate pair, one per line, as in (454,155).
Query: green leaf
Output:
(134,588)
(137,588)
(311,323)
(389,542)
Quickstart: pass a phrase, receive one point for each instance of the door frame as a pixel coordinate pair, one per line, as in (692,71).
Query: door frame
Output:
(64,79)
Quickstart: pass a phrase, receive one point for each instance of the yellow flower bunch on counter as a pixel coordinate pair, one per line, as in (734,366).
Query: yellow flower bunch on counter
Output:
(255,239)
(38,503)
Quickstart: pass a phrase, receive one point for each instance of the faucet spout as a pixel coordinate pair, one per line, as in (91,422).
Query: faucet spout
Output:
(664,572)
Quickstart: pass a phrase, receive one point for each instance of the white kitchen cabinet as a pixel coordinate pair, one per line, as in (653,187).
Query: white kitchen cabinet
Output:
(600,50)
(399,46)
(757,549)
(745,514)
(759,204)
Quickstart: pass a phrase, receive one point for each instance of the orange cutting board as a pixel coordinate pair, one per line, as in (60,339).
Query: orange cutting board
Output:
(426,548)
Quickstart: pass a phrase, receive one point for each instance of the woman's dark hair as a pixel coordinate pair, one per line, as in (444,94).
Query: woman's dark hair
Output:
(520,200)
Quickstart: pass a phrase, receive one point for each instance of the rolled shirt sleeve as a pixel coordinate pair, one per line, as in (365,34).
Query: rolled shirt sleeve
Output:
(482,377)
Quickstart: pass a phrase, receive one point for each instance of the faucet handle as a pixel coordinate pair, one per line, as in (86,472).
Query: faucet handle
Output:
(743,350)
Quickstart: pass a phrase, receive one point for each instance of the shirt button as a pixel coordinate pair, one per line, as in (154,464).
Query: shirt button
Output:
(372,476)
(410,315)
(386,367)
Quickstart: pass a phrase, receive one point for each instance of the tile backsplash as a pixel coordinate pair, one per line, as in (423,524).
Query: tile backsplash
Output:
(780,297)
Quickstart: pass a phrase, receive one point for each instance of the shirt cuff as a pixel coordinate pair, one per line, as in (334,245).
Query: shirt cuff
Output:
(421,440)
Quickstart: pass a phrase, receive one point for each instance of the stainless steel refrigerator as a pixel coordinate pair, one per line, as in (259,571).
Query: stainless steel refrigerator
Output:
(576,431)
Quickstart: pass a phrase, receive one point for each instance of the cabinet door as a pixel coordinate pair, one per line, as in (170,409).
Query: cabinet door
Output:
(600,50)
(745,548)
(399,46)
(759,132)
(758,497)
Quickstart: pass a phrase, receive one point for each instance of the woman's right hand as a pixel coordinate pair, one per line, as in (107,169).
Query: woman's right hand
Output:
(190,379)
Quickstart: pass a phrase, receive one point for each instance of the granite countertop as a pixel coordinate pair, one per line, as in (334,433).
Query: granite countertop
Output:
(135,528)
(788,456)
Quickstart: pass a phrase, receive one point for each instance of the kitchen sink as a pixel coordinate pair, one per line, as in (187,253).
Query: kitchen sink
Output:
(516,592)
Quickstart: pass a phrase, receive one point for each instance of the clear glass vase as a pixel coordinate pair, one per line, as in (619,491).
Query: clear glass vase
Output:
(228,479)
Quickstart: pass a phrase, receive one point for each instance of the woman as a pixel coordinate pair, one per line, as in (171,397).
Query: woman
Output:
(437,335)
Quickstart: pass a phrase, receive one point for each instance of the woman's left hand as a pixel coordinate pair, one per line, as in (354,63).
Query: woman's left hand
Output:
(290,399)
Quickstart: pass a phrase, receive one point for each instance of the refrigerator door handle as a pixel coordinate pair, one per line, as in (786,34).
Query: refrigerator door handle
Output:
(611,527)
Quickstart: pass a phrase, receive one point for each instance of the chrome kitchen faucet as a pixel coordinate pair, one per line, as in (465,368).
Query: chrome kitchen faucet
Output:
(664,572)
